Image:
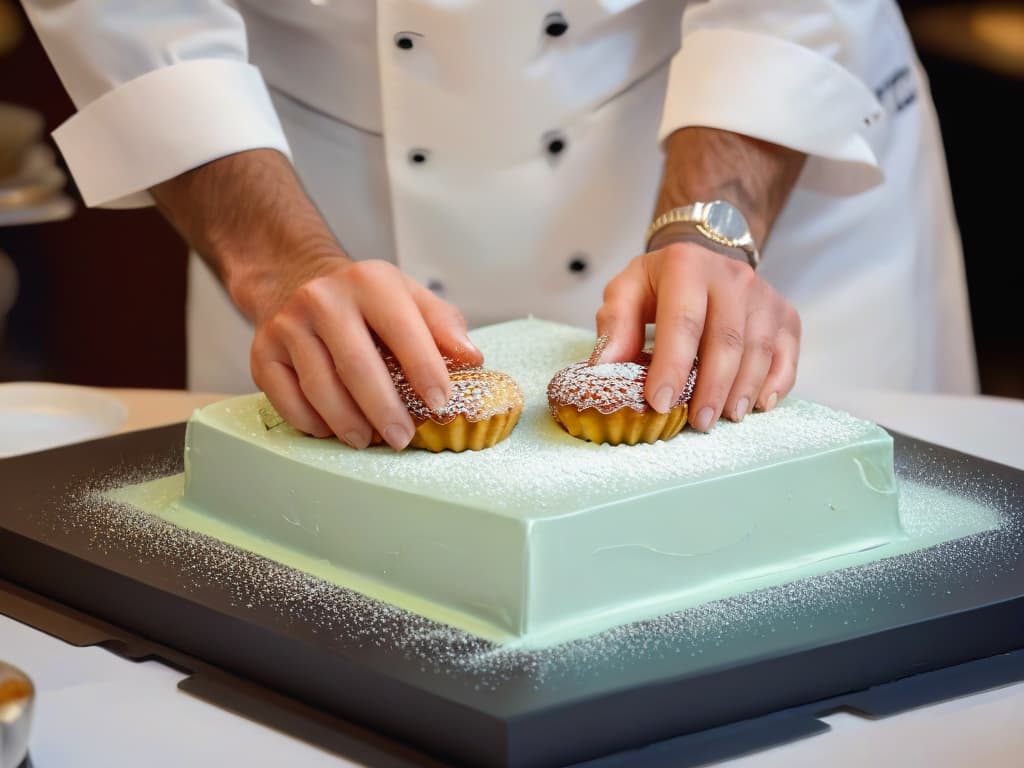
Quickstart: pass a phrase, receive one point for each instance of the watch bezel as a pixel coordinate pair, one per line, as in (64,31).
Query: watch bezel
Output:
(707,211)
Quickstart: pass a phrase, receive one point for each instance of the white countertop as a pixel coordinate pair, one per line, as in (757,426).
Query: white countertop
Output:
(95,709)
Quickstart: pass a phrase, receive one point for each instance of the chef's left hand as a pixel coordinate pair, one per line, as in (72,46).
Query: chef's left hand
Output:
(747,336)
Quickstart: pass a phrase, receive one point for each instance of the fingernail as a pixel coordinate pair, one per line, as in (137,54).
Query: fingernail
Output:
(397,436)
(468,345)
(704,416)
(741,408)
(356,440)
(662,401)
(436,399)
(773,398)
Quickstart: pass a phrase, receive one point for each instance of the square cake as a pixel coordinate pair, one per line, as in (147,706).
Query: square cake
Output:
(545,536)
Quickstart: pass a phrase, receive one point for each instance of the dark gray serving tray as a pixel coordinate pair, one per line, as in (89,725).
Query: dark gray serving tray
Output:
(437,695)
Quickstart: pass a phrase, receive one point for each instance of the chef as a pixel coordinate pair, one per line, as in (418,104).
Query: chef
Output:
(761,180)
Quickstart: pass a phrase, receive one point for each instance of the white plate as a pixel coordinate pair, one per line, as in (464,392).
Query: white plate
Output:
(35,416)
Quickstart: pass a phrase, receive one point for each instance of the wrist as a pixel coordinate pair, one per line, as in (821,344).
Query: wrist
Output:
(259,282)
(710,164)
(249,218)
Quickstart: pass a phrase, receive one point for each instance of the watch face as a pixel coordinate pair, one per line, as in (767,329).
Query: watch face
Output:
(726,220)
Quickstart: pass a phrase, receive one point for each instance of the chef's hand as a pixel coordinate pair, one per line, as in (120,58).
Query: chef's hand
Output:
(747,336)
(314,356)
(315,311)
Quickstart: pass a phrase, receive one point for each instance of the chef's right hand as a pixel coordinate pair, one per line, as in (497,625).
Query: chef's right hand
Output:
(316,360)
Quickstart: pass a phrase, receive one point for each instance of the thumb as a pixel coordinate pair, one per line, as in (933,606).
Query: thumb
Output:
(620,333)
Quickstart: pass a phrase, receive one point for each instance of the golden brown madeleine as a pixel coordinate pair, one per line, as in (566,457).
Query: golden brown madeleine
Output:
(605,403)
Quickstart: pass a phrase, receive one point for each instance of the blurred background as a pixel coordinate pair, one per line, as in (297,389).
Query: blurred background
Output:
(97,297)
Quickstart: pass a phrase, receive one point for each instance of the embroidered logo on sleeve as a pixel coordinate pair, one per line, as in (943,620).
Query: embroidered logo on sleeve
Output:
(898,91)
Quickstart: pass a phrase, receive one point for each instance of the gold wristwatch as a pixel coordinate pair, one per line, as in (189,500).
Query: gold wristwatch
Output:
(717,225)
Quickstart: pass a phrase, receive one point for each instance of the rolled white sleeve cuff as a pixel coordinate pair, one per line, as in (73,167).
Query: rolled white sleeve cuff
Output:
(771,89)
(164,123)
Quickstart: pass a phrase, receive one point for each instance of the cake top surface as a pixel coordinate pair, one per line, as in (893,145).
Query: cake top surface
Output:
(541,471)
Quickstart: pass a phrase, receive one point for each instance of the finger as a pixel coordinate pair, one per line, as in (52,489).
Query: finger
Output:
(762,329)
(447,326)
(682,296)
(721,352)
(325,392)
(782,374)
(361,370)
(399,323)
(279,382)
(621,320)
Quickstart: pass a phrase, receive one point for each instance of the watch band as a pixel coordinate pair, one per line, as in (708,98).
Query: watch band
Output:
(690,222)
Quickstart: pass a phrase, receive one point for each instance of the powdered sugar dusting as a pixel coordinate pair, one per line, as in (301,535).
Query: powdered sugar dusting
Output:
(963,509)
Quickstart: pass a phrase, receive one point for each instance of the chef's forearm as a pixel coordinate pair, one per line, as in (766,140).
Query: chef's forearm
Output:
(249,218)
(703,164)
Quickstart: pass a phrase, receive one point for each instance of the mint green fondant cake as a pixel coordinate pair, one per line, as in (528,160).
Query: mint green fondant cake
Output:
(545,536)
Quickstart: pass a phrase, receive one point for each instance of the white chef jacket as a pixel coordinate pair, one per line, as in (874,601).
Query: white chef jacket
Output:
(508,154)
